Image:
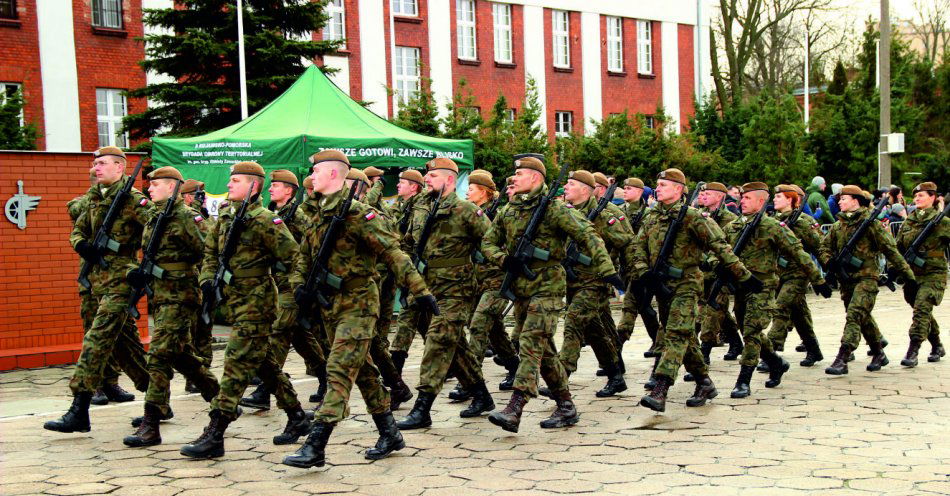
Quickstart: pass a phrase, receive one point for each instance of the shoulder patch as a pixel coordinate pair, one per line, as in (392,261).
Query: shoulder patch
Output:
(623,217)
(199,219)
(278,220)
(479,212)
(705,214)
(143,202)
(370,216)
(782,224)
(612,221)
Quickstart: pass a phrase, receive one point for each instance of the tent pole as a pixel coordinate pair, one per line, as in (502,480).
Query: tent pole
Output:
(241,67)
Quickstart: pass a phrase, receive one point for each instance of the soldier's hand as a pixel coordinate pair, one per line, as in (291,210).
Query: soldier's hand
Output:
(87,251)
(207,291)
(303,297)
(615,281)
(823,290)
(510,264)
(137,279)
(751,285)
(427,302)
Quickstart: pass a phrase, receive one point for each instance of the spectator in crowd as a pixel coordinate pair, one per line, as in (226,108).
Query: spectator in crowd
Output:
(732,199)
(833,207)
(817,202)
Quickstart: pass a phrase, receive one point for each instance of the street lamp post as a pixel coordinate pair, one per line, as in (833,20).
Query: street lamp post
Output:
(242,76)
(884,67)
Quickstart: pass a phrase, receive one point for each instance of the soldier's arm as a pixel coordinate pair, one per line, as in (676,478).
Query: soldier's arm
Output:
(714,241)
(302,261)
(140,208)
(194,238)
(382,240)
(478,224)
(209,264)
(493,244)
(585,235)
(279,241)
(637,254)
(791,248)
(826,248)
(885,243)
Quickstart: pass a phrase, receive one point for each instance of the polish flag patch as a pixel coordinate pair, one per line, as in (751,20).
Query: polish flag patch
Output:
(278,220)
(479,212)
(370,216)
(143,202)
(569,205)
(612,221)
(623,218)
(199,219)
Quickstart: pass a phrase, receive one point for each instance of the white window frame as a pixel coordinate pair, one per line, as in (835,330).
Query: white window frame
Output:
(501,19)
(406,80)
(650,121)
(645,47)
(408,8)
(561,38)
(510,115)
(110,121)
(465,29)
(336,24)
(107,13)
(614,44)
(11,87)
(563,123)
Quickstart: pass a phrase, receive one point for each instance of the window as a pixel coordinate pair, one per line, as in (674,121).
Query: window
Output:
(7,90)
(107,13)
(614,44)
(405,8)
(407,73)
(645,47)
(650,121)
(465,26)
(560,30)
(8,9)
(501,15)
(110,109)
(336,27)
(563,122)
(510,116)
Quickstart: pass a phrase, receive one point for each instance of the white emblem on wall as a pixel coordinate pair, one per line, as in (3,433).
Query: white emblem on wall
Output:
(18,205)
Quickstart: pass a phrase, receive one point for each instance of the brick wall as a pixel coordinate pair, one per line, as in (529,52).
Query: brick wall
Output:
(39,303)
(20,63)
(687,75)
(628,90)
(565,87)
(409,32)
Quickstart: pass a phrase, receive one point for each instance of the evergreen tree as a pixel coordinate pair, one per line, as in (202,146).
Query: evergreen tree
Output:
(839,81)
(420,114)
(13,136)
(462,118)
(774,142)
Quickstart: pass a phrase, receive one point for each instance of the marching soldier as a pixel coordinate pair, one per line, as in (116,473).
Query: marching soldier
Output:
(606,316)
(252,302)
(457,231)
(634,209)
(351,319)
(409,188)
(542,297)
(930,272)
(374,196)
(113,333)
(201,335)
(174,301)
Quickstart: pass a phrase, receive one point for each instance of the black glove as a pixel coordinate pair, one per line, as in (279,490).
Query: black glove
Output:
(615,281)
(207,291)
(427,302)
(510,264)
(87,251)
(823,290)
(751,285)
(137,279)
(303,297)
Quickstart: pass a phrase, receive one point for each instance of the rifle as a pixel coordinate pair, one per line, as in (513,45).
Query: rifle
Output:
(790,222)
(493,209)
(222,276)
(637,220)
(103,241)
(525,251)
(724,278)
(320,280)
(662,271)
(420,247)
(200,199)
(148,265)
(912,253)
(574,256)
(842,265)
(292,211)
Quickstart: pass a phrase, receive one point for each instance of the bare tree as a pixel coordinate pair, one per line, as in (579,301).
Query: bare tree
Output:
(930,26)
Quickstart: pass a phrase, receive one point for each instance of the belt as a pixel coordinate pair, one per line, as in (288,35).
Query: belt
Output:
(251,272)
(353,283)
(442,263)
(178,266)
(543,264)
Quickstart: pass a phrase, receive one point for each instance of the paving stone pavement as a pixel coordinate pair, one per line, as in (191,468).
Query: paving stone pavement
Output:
(864,433)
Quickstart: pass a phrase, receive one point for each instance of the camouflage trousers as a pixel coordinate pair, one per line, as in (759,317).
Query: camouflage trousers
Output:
(447,347)
(520,309)
(379,346)
(351,332)
(201,341)
(628,319)
(754,314)
(859,298)
(677,339)
(250,349)
(584,322)
(287,332)
(536,346)
(791,308)
(714,323)
(923,297)
(409,322)
(170,350)
(87,308)
(113,334)
(488,326)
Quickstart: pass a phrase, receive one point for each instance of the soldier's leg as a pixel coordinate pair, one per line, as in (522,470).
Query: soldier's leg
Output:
(201,341)
(169,349)
(484,323)
(785,301)
(578,315)
(246,350)
(628,316)
(597,334)
(444,340)
(521,313)
(756,318)
(929,294)
(679,343)
(537,351)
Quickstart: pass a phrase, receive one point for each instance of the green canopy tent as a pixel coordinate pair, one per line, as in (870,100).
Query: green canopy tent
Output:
(312,115)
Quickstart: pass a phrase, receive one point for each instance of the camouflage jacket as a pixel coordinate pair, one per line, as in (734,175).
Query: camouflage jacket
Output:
(613,229)
(458,230)
(488,277)
(298,226)
(696,236)
(770,242)
(252,295)
(630,211)
(934,249)
(364,241)
(402,215)
(808,233)
(127,231)
(179,253)
(75,208)
(374,198)
(559,224)
(876,241)
(721,220)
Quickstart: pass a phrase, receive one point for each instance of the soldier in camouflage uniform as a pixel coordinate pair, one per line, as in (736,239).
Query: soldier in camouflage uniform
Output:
(791,308)
(113,333)
(696,236)
(930,272)
(251,299)
(754,309)
(634,209)
(174,301)
(351,318)
(201,334)
(447,257)
(542,297)
(860,291)
(283,190)
(606,316)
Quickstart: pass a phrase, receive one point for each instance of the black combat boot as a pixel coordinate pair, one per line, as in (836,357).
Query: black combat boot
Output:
(259,399)
(652,352)
(778,366)
(399,359)
(399,393)
(651,382)
(656,400)
(312,453)
(763,366)
(116,394)
(884,344)
(801,347)
(742,389)
(148,433)
(255,381)
(687,377)
(297,425)
(321,373)
(615,383)
(210,444)
(565,415)
(511,365)
(840,364)
(191,387)
(76,419)
(544,391)
(460,394)
(936,352)
(910,360)
(419,415)
(705,390)
(99,398)
(706,349)
(813,353)
(390,439)
(137,421)
(620,362)
(879,359)
(481,403)
(735,349)
(510,418)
